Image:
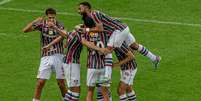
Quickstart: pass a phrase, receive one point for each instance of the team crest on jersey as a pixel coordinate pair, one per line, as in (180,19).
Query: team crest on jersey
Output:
(50,32)
(92,34)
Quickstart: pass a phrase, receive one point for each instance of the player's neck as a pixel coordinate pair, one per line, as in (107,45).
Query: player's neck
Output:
(88,12)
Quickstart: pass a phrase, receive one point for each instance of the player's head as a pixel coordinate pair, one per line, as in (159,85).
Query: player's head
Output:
(88,22)
(51,14)
(84,7)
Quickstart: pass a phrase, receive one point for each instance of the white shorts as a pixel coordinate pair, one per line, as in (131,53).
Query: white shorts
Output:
(93,75)
(130,39)
(127,76)
(51,64)
(118,37)
(72,74)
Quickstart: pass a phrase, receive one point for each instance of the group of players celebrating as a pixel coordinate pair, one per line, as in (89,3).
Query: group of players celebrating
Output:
(102,35)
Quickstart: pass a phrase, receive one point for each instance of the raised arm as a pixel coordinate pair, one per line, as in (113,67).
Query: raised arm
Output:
(29,27)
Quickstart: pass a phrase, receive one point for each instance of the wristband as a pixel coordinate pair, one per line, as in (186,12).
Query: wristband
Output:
(87,29)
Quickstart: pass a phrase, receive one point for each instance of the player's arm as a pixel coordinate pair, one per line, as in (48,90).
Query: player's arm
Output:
(89,44)
(62,32)
(94,47)
(29,27)
(58,39)
(98,28)
(97,16)
(129,57)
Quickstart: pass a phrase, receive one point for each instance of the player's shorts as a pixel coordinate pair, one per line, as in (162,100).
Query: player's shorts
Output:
(72,74)
(49,64)
(127,76)
(130,39)
(118,37)
(93,75)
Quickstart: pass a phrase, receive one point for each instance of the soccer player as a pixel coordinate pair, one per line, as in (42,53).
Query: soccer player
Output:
(127,63)
(51,59)
(128,70)
(108,57)
(71,62)
(100,40)
(118,32)
(96,65)
(72,66)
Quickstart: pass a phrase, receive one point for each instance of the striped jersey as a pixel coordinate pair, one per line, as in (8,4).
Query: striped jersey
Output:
(109,24)
(89,22)
(47,36)
(95,60)
(74,48)
(121,54)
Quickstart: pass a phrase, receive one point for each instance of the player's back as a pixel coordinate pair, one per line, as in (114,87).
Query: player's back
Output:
(110,24)
(121,53)
(74,48)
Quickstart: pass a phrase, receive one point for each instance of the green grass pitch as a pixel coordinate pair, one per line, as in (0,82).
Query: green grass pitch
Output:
(170,28)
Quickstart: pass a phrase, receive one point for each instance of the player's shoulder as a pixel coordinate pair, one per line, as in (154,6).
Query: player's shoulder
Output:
(97,12)
(74,34)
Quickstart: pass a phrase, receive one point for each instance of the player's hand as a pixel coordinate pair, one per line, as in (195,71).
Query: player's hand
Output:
(81,30)
(46,48)
(51,25)
(79,26)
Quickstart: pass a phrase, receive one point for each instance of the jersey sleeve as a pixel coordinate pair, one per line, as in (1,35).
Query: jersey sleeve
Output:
(37,26)
(97,16)
(124,48)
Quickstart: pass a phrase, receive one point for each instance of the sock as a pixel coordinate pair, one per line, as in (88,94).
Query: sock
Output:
(144,51)
(108,65)
(123,97)
(131,96)
(72,96)
(35,99)
(100,96)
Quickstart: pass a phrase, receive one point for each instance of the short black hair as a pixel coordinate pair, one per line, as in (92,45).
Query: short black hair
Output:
(50,11)
(88,22)
(85,3)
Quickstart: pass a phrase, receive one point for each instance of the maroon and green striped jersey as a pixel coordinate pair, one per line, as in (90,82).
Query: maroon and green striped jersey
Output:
(121,54)
(109,24)
(47,36)
(96,60)
(74,48)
